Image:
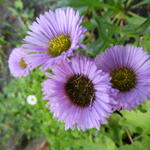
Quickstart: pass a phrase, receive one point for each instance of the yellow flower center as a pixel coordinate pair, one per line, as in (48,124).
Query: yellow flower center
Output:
(22,63)
(123,79)
(59,44)
(32,99)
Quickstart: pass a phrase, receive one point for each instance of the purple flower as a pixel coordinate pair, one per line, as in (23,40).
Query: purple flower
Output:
(129,68)
(18,64)
(54,36)
(78,93)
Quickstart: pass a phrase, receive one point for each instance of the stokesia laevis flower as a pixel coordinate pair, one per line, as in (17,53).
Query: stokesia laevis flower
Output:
(18,64)
(31,99)
(54,36)
(78,93)
(129,67)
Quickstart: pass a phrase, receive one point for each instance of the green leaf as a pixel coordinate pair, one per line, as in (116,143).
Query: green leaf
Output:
(116,130)
(143,26)
(135,20)
(143,2)
(138,119)
(134,146)
(145,42)
(19,4)
(92,3)
(143,145)
(102,143)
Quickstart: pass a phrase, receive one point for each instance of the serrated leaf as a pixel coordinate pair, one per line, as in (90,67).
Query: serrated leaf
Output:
(103,143)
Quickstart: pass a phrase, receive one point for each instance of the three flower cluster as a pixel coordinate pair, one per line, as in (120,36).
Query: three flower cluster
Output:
(82,92)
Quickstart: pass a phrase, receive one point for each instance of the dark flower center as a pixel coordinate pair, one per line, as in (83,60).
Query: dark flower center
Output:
(59,44)
(80,90)
(22,63)
(123,79)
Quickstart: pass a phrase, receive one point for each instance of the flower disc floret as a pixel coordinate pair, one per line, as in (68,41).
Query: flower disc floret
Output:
(22,63)
(123,79)
(80,90)
(58,45)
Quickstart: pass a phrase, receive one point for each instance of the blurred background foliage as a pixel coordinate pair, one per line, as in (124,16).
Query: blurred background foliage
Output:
(27,127)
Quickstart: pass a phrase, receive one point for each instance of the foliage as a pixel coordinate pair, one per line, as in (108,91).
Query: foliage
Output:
(18,118)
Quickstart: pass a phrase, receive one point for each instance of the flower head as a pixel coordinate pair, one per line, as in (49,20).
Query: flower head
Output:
(31,99)
(78,93)
(129,68)
(18,64)
(54,36)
